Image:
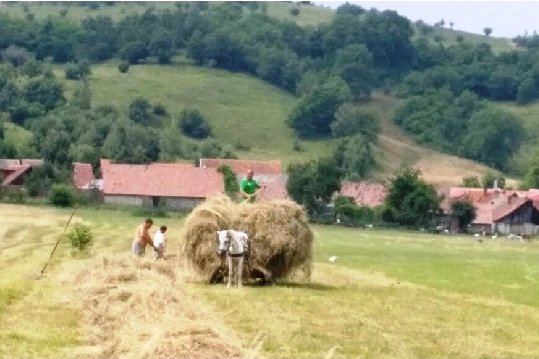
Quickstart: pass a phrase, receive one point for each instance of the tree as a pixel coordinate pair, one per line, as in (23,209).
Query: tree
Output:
(527,91)
(350,9)
(139,111)
(357,157)
(134,51)
(351,120)
(410,200)
(531,180)
(315,112)
(493,136)
(162,46)
(490,177)
(45,91)
(451,24)
(171,144)
(231,180)
(487,31)
(15,55)
(312,184)
(80,237)
(61,195)
(471,182)
(77,71)
(465,212)
(55,148)
(194,124)
(82,97)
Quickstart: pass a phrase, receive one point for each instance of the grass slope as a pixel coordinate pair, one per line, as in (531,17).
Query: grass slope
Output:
(391,294)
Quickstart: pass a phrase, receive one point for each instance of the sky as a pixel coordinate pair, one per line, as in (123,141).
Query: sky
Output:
(506,18)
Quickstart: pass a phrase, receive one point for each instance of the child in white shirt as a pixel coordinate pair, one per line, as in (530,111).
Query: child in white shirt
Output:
(160,242)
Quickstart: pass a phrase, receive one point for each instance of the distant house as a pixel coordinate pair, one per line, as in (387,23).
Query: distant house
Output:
(14,171)
(173,185)
(501,211)
(365,194)
(265,172)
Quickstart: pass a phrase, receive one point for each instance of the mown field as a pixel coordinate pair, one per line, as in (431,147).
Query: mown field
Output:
(392,294)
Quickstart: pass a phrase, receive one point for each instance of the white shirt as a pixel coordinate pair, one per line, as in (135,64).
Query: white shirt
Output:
(159,238)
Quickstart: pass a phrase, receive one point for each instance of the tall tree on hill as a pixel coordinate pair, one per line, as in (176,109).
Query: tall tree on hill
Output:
(487,31)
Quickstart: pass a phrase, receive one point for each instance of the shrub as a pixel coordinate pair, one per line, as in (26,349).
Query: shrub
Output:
(139,111)
(159,109)
(294,11)
(123,67)
(63,12)
(231,180)
(80,237)
(61,195)
(193,124)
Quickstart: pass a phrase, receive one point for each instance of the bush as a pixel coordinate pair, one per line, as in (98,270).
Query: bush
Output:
(231,180)
(80,237)
(63,12)
(193,124)
(123,67)
(61,195)
(159,109)
(139,111)
(294,11)
(15,55)
(75,71)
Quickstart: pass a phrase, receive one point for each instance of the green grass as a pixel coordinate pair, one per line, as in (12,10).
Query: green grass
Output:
(74,12)
(309,15)
(498,44)
(240,108)
(392,294)
(396,295)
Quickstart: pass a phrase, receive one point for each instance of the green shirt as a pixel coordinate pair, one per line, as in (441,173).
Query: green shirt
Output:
(249,186)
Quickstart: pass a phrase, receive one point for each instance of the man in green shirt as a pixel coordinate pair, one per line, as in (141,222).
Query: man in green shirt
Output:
(249,187)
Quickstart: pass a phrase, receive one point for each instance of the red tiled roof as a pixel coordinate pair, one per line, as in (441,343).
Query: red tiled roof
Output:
(9,164)
(82,174)
(503,210)
(366,194)
(160,180)
(14,176)
(276,189)
(240,167)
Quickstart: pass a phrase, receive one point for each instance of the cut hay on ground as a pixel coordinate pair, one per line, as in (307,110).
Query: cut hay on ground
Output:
(138,309)
(281,240)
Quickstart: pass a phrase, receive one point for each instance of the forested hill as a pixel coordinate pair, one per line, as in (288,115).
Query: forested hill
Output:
(321,76)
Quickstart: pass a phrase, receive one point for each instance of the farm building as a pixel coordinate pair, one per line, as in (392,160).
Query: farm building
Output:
(176,186)
(265,172)
(501,211)
(365,194)
(14,171)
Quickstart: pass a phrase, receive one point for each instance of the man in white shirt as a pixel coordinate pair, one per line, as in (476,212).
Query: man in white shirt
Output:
(159,243)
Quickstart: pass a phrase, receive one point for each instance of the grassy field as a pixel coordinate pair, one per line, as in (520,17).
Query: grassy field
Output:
(392,294)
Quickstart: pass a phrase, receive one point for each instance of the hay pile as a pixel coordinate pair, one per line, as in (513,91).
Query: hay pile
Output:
(281,240)
(137,309)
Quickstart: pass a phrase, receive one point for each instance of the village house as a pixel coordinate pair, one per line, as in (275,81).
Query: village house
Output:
(501,211)
(175,186)
(364,194)
(14,171)
(267,173)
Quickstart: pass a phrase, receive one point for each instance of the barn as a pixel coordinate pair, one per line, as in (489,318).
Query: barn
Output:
(14,171)
(175,186)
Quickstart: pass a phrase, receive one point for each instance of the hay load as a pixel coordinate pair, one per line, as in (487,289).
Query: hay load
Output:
(281,240)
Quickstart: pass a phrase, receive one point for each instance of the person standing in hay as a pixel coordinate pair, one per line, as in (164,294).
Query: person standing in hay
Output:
(159,243)
(142,238)
(249,187)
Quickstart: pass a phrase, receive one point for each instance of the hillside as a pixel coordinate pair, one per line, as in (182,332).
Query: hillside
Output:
(244,110)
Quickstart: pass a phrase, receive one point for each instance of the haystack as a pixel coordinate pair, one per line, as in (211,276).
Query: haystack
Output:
(281,240)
